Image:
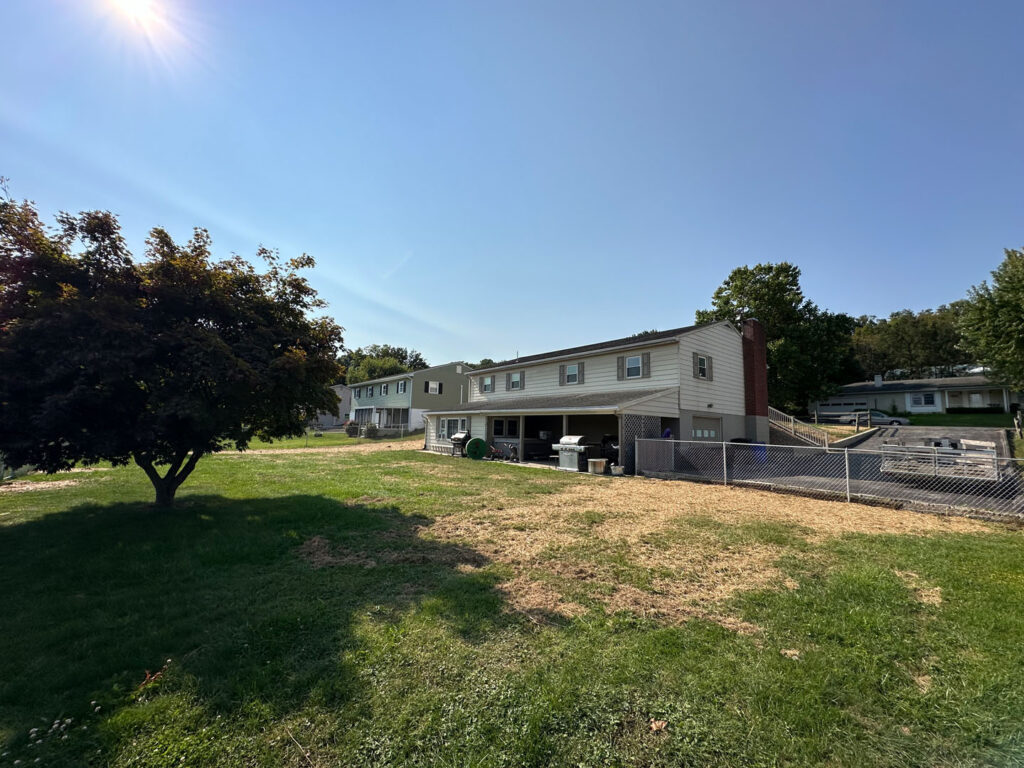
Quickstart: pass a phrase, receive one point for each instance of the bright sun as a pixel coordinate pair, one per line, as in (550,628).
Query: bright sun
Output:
(142,12)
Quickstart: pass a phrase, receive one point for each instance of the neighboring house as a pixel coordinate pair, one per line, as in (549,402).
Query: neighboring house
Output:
(399,401)
(701,382)
(958,394)
(329,421)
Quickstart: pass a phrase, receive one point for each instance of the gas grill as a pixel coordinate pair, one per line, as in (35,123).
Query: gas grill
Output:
(459,440)
(573,453)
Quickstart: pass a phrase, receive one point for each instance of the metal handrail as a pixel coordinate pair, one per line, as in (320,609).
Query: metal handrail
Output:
(797,428)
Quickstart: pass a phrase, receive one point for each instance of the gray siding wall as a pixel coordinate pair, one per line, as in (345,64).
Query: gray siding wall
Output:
(725,390)
(451,379)
(599,375)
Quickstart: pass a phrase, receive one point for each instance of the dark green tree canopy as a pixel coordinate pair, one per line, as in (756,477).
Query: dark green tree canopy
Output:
(159,362)
(912,344)
(377,360)
(809,349)
(992,322)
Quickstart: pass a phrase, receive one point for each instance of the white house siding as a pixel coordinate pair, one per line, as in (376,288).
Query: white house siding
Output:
(599,375)
(725,392)
(666,405)
(935,407)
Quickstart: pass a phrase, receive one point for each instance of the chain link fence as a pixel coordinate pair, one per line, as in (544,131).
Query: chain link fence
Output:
(970,482)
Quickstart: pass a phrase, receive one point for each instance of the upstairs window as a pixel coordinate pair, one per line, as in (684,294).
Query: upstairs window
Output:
(359,391)
(516,381)
(486,383)
(572,374)
(432,387)
(369,391)
(383,389)
(401,387)
(703,367)
(634,368)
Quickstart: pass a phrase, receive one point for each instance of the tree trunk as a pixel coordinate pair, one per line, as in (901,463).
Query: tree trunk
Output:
(165,490)
(167,485)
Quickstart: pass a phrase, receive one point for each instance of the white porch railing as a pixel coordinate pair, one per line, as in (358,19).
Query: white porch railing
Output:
(807,432)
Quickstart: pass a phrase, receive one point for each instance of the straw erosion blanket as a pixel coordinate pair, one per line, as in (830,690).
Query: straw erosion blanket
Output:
(665,550)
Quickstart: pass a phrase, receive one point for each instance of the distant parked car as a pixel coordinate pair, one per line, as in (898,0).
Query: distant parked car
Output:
(877,417)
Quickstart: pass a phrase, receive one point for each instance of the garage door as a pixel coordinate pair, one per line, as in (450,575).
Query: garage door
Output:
(706,429)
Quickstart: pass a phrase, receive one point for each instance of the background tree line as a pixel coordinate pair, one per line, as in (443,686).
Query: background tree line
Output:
(812,352)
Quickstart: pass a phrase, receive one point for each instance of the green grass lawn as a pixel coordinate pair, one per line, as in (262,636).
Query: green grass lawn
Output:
(329,439)
(1001,420)
(206,636)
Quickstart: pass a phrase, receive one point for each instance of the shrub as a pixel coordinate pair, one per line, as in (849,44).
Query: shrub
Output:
(371,431)
(352,429)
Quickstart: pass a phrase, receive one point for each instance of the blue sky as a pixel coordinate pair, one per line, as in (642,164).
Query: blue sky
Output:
(480,178)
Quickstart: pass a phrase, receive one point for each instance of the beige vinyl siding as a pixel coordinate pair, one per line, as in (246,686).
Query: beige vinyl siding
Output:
(478,426)
(725,391)
(662,405)
(542,378)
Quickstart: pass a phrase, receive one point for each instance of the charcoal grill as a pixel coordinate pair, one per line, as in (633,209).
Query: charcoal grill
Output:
(459,440)
(573,453)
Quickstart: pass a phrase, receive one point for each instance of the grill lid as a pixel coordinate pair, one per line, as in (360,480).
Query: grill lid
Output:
(572,440)
(460,437)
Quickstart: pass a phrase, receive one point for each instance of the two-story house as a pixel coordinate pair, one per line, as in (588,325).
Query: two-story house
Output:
(705,382)
(400,401)
(326,420)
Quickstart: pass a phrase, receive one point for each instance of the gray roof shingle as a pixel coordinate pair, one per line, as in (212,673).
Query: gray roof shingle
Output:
(916,385)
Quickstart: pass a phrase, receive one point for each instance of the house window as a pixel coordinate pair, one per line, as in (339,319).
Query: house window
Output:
(928,398)
(486,383)
(359,391)
(369,391)
(383,389)
(633,367)
(462,425)
(572,374)
(506,427)
(516,380)
(453,426)
(401,387)
(433,387)
(702,367)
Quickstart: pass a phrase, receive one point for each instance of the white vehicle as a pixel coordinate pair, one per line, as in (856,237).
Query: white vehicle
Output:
(877,417)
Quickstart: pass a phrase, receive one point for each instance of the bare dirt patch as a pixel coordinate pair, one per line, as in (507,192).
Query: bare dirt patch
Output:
(633,544)
(319,553)
(23,486)
(358,448)
(923,593)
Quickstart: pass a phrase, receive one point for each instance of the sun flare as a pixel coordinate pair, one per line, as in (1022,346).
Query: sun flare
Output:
(142,12)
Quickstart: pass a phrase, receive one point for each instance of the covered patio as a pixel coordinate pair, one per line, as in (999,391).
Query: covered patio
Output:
(527,427)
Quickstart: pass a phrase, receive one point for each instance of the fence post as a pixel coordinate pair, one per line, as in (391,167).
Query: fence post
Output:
(725,465)
(846,451)
(636,455)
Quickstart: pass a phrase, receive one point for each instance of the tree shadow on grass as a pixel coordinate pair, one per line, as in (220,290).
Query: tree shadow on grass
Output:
(255,602)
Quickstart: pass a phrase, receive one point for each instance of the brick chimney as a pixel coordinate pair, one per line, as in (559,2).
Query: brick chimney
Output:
(755,368)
